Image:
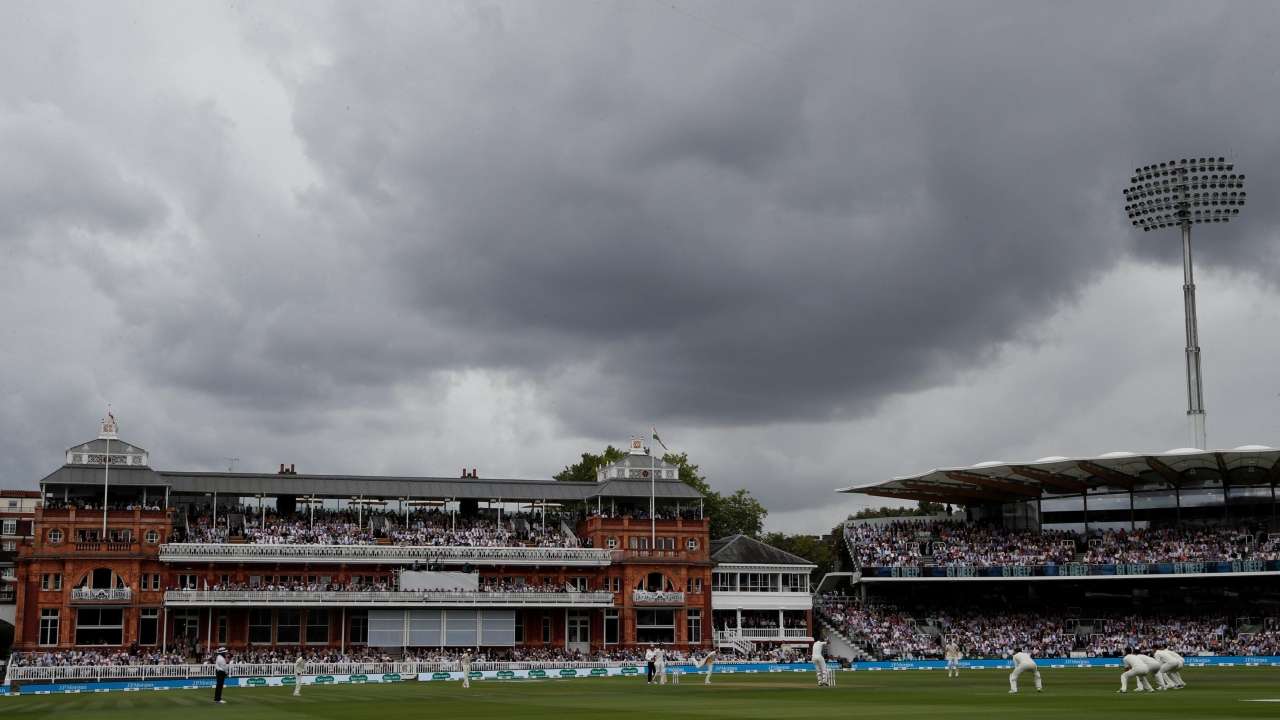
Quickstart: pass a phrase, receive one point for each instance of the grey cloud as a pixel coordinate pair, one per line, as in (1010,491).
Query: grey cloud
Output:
(746,214)
(54,176)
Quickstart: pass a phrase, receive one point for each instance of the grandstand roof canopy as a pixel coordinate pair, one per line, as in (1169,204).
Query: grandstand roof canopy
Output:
(997,481)
(350,486)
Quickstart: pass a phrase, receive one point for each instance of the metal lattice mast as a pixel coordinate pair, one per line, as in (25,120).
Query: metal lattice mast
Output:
(1181,193)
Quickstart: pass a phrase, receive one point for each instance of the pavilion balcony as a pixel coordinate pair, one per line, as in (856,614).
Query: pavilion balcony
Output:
(655,597)
(383,554)
(763,635)
(87,596)
(391,598)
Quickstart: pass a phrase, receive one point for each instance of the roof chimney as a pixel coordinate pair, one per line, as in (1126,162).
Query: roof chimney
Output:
(292,471)
(281,469)
(474,474)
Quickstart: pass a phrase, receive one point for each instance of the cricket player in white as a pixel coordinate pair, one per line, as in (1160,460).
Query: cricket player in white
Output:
(953,659)
(660,666)
(220,673)
(466,669)
(299,667)
(1022,662)
(820,664)
(1170,674)
(1137,667)
(650,658)
(708,661)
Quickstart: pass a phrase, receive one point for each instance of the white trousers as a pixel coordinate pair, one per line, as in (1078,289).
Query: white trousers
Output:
(661,669)
(820,667)
(1013,676)
(1142,682)
(1170,675)
(953,666)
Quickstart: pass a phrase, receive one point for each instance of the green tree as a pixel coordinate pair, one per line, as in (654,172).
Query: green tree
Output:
(737,513)
(817,549)
(924,507)
(585,469)
(730,514)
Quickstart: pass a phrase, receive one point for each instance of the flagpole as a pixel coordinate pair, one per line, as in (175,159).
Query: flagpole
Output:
(106,481)
(653,508)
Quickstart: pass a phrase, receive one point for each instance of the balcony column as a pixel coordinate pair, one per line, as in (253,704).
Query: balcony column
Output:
(739,628)
(782,628)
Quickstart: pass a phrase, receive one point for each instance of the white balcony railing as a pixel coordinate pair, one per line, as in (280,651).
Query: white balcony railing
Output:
(374,554)
(762,634)
(101,595)
(651,597)
(398,598)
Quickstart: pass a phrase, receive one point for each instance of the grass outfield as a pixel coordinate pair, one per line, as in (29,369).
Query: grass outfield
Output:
(1213,693)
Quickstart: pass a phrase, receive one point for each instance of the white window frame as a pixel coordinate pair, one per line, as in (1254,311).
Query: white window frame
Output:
(50,618)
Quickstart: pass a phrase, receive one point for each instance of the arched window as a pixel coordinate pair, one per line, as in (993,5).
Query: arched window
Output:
(101,579)
(655,582)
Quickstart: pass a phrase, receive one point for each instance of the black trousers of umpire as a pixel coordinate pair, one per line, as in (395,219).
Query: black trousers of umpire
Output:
(217,691)
(651,669)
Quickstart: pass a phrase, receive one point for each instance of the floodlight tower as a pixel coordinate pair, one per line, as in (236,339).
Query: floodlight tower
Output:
(1181,193)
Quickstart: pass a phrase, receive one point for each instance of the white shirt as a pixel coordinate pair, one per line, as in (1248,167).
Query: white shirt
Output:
(1168,656)
(650,655)
(1152,663)
(817,649)
(953,652)
(1135,662)
(1023,659)
(299,666)
(220,664)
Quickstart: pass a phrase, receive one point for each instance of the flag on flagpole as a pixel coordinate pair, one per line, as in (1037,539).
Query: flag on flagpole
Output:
(659,440)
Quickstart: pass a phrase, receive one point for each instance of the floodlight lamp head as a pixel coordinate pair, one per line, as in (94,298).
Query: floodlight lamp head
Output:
(1183,192)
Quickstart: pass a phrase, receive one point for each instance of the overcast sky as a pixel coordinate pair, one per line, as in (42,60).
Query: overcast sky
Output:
(816,244)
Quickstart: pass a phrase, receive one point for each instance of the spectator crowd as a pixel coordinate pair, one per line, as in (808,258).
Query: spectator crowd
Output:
(345,527)
(919,544)
(889,633)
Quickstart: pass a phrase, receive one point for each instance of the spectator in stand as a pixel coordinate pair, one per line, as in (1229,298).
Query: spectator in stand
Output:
(328,527)
(888,633)
(919,544)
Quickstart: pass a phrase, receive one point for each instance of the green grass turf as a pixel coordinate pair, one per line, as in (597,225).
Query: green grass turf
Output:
(1213,693)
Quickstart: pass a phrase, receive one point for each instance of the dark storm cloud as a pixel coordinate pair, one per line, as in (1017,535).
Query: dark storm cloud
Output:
(861,201)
